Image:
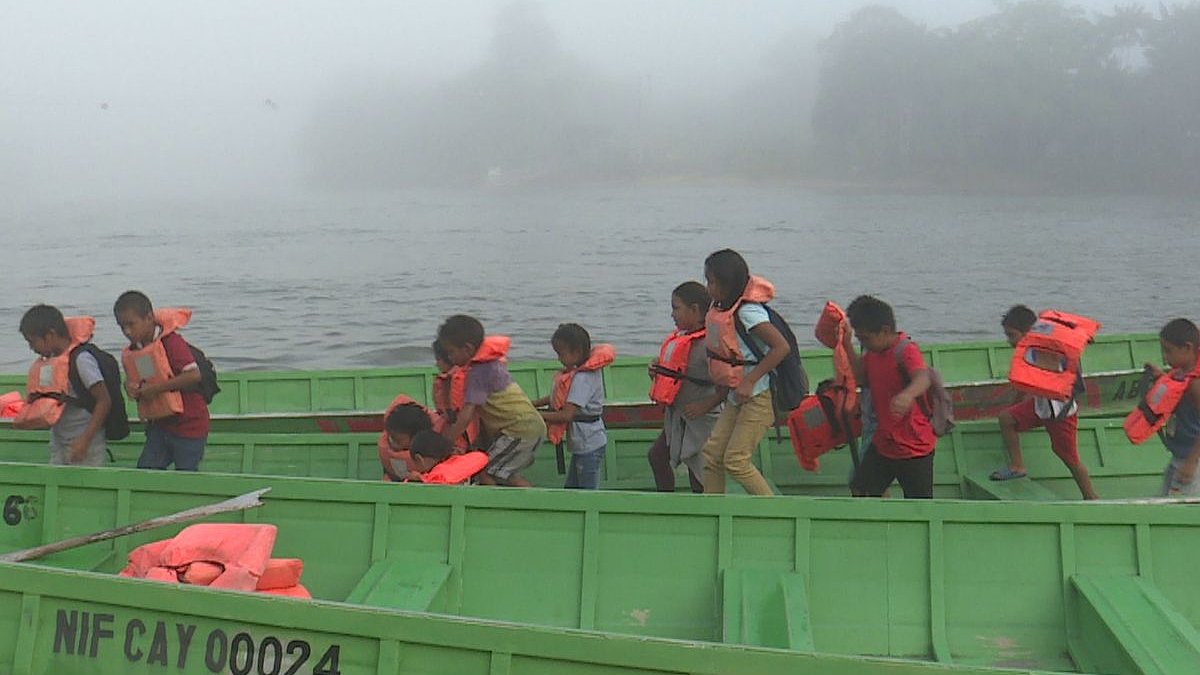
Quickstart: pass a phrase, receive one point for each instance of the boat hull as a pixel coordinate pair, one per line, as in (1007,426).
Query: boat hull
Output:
(436,579)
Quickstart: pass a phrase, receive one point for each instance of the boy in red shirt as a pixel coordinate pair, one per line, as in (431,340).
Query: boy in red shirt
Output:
(179,439)
(892,367)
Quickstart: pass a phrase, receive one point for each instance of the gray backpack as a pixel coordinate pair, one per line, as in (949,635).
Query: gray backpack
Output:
(935,402)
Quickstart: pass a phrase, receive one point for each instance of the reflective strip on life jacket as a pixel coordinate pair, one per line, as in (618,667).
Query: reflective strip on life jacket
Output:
(1157,404)
(48,381)
(725,363)
(671,369)
(601,356)
(456,468)
(149,365)
(1046,361)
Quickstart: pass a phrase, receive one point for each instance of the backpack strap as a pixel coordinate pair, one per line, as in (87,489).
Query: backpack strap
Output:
(906,379)
(746,337)
(83,398)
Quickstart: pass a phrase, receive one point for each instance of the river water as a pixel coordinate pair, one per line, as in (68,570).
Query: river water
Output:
(359,280)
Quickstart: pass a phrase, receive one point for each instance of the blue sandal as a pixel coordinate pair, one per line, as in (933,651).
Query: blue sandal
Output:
(1006,473)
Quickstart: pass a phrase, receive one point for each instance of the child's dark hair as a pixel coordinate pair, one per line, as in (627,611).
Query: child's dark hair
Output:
(871,315)
(730,270)
(135,301)
(693,293)
(1180,332)
(1019,318)
(439,352)
(408,418)
(41,320)
(574,337)
(460,330)
(431,445)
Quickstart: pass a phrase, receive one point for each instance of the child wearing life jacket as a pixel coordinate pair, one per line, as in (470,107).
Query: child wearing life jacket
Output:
(577,407)
(901,447)
(404,421)
(77,436)
(1179,340)
(1059,418)
(512,428)
(681,383)
(163,377)
(738,299)
(437,462)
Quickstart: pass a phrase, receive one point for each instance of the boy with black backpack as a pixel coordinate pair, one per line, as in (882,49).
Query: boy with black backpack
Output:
(892,368)
(171,380)
(74,388)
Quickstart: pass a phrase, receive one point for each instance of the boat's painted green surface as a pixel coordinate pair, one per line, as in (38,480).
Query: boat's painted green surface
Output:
(963,462)
(805,586)
(351,400)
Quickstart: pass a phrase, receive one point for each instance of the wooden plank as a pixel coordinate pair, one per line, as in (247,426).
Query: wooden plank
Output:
(397,583)
(1127,625)
(1017,489)
(766,608)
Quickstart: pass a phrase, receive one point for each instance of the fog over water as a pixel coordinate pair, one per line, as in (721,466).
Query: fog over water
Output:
(325,181)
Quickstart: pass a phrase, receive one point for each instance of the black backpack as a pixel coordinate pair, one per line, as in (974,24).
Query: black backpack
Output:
(116,425)
(208,374)
(789,382)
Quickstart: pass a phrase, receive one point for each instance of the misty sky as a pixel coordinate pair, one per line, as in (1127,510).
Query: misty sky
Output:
(147,98)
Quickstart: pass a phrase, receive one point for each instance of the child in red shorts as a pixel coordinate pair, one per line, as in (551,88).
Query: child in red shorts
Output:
(1059,418)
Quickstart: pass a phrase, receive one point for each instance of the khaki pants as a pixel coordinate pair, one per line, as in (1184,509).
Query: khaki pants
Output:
(734,439)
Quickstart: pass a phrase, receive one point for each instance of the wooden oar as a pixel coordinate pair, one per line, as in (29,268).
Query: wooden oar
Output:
(246,501)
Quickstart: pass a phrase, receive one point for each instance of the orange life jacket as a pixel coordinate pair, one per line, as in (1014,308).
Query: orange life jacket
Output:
(11,404)
(150,365)
(830,417)
(397,464)
(449,394)
(601,356)
(493,348)
(1046,361)
(831,326)
(1157,404)
(456,468)
(671,369)
(725,362)
(48,381)
(230,556)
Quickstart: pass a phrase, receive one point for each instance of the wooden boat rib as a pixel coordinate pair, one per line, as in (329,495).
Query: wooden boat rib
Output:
(468,580)
(352,400)
(962,464)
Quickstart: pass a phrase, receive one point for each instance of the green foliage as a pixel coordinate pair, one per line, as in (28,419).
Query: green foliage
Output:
(1037,93)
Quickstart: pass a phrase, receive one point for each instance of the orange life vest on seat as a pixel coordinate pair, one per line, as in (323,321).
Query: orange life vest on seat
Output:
(456,468)
(1157,404)
(601,356)
(725,362)
(398,463)
(232,556)
(449,394)
(151,366)
(671,369)
(1046,361)
(48,381)
(829,418)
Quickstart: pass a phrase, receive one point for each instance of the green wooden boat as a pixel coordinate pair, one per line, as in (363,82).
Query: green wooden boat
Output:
(963,461)
(352,400)
(421,579)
